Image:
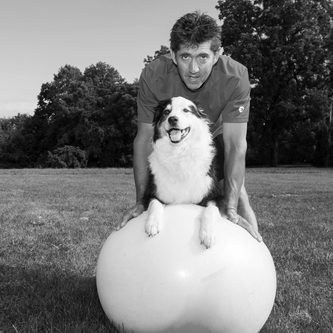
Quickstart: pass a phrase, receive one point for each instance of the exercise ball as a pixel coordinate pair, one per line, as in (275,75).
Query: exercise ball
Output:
(171,283)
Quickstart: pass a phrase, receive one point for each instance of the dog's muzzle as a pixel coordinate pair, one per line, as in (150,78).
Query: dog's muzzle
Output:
(177,135)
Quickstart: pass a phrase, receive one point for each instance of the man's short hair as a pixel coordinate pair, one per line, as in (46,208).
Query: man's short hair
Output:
(193,29)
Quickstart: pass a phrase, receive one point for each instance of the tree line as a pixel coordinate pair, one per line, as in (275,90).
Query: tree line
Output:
(81,120)
(89,119)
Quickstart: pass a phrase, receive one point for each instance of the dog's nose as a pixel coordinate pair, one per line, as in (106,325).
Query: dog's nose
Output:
(173,120)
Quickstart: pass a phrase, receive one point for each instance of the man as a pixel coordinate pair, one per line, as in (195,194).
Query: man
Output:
(196,70)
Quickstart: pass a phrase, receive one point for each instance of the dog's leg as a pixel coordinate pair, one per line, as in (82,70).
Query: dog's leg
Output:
(208,225)
(155,217)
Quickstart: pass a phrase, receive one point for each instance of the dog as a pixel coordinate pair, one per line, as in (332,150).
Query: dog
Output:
(181,166)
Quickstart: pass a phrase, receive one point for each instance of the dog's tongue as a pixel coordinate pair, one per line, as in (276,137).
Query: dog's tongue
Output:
(175,135)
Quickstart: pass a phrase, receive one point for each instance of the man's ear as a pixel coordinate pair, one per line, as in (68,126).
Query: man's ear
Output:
(173,57)
(217,55)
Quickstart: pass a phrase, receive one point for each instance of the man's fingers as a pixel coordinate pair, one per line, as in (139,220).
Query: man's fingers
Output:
(128,215)
(232,216)
(237,219)
(246,225)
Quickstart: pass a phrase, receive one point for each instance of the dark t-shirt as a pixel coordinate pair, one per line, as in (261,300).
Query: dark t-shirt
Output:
(225,96)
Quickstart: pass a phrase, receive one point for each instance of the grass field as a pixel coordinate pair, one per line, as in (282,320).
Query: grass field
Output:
(54,222)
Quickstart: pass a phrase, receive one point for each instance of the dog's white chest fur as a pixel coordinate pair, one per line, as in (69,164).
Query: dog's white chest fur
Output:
(181,172)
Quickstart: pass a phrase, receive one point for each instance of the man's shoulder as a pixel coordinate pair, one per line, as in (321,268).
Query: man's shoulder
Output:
(230,67)
(159,67)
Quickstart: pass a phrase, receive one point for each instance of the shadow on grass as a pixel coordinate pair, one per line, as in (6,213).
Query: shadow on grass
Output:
(46,300)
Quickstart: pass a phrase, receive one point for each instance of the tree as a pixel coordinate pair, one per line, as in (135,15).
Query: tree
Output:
(13,145)
(106,138)
(60,104)
(123,115)
(74,110)
(163,50)
(66,157)
(286,46)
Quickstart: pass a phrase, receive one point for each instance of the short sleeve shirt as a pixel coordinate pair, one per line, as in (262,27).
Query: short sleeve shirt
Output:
(225,96)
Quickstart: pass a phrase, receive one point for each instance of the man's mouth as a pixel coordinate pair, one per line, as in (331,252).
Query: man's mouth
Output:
(176,135)
(194,77)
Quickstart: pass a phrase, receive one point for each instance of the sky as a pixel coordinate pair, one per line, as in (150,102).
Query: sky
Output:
(38,37)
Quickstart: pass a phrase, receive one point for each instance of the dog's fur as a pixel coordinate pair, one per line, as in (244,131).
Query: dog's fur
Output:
(181,166)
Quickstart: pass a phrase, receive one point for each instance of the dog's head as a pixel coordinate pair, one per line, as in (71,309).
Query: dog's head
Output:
(176,119)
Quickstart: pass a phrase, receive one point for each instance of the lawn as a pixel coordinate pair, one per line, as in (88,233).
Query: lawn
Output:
(54,222)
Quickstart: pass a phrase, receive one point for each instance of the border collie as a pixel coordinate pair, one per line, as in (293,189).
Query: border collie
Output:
(181,166)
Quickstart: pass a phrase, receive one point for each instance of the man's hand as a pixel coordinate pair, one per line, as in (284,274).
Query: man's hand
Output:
(129,214)
(237,219)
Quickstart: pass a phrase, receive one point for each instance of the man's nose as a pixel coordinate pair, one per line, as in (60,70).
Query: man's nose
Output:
(194,68)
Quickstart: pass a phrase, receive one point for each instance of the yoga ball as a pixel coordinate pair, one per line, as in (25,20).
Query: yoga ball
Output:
(171,283)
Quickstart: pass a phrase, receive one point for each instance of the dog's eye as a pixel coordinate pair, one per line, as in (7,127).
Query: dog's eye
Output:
(166,112)
(186,110)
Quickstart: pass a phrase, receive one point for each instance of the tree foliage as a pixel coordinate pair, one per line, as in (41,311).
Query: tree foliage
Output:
(66,157)
(92,112)
(13,143)
(287,46)
(163,50)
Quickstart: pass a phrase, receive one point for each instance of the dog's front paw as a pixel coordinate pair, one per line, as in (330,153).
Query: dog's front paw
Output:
(207,238)
(152,228)
(207,233)
(155,217)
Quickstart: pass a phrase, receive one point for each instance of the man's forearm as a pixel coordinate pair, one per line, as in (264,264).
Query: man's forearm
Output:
(234,172)
(140,167)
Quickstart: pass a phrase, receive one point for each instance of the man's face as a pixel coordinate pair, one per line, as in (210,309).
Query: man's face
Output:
(195,64)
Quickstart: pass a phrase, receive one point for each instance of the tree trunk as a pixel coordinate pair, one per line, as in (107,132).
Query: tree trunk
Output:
(329,139)
(274,152)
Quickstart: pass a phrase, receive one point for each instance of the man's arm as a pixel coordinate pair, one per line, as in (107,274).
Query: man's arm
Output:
(235,145)
(142,149)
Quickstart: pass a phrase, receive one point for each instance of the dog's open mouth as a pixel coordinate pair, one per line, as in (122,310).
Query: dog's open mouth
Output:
(176,135)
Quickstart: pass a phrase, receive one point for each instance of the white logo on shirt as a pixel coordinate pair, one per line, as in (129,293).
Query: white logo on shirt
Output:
(241,109)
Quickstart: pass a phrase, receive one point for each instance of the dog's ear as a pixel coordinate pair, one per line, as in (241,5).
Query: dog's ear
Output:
(159,109)
(199,111)
(158,118)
